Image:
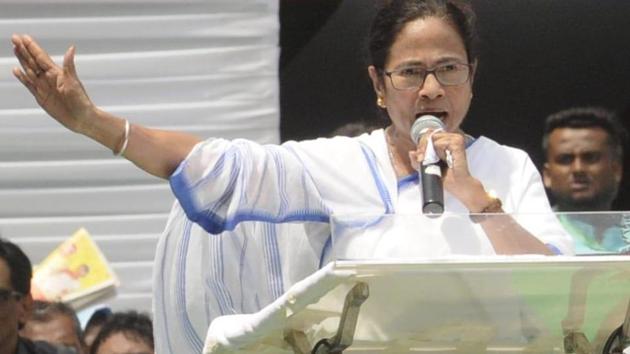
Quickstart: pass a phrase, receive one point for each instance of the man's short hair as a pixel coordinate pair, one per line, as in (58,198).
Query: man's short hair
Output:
(98,318)
(20,269)
(353,129)
(131,323)
(44,311)
(588,117)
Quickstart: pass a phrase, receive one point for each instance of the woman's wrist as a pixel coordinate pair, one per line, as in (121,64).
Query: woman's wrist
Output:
(473,195)
(87,123)
(105,128)
(483,202)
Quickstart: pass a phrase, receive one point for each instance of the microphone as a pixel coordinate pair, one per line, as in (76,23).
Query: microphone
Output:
(430,173)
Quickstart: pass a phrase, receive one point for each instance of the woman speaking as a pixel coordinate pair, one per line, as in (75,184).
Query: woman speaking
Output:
(423,61)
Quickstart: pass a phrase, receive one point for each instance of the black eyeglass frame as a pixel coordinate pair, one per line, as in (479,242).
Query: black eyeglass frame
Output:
(6,294)
(433,71)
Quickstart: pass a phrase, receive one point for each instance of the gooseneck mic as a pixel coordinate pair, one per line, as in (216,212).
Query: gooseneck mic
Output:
(430,173)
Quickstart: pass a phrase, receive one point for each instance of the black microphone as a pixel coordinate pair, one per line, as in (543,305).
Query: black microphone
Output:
(430,174)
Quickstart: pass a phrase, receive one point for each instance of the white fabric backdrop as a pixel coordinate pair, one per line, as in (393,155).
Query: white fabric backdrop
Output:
(207,67)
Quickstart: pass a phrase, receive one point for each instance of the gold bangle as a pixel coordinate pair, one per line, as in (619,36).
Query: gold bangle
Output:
(493,207)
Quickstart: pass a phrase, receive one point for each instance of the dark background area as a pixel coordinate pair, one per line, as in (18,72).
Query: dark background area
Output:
(537,57)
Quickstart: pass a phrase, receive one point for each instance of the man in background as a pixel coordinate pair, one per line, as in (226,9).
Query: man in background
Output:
(16,303)
(55,323)
(125,332)
(584,158)
(93,327)
(583,147)
(353,129)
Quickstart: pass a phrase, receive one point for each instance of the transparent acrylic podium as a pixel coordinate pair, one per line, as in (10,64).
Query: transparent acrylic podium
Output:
(433,285)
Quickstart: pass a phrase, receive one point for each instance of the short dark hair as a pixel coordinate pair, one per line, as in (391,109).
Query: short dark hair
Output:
(588,117)
(353,129)
(131,323)
(20,268)
(98,318)
(395,14)
(43,311)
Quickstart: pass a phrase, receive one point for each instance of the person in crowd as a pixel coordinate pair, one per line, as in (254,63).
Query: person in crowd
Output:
(16,303)
(278,199)
(125,333)
(622,202)
(353,129)
(584,149)
(55,323)
(94,326)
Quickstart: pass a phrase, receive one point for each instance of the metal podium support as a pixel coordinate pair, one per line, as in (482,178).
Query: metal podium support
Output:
(575,341)
(345,332)
(620,338)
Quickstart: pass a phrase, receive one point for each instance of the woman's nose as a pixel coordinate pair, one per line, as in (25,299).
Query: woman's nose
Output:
(431,88)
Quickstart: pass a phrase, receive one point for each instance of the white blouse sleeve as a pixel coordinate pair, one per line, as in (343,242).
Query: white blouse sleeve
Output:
(535,214)
(222,183)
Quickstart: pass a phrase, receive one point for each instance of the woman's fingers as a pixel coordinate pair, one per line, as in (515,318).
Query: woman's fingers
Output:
(452,142)
(39,91)
(19,52)
(448,147)
(415,160)
(35,62)
(38,72)
(68,63)
(26,59)
(19,74)
(451,149)
(42,59)
(33,75)
(38,85)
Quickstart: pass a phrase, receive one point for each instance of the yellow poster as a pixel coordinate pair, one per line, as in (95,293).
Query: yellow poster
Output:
(75,271)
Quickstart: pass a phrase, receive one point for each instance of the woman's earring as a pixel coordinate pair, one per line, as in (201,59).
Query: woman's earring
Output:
(380,102)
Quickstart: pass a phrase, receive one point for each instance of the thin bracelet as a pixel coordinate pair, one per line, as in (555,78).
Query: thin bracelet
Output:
(125,139)
(493,207)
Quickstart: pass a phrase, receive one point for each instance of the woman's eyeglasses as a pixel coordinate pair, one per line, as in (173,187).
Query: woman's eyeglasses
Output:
(412,78)
(6,294)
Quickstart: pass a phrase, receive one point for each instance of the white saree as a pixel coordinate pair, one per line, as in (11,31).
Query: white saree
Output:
(251,220)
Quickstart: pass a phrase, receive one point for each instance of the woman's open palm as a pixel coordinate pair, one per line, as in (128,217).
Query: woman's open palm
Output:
(57,90)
